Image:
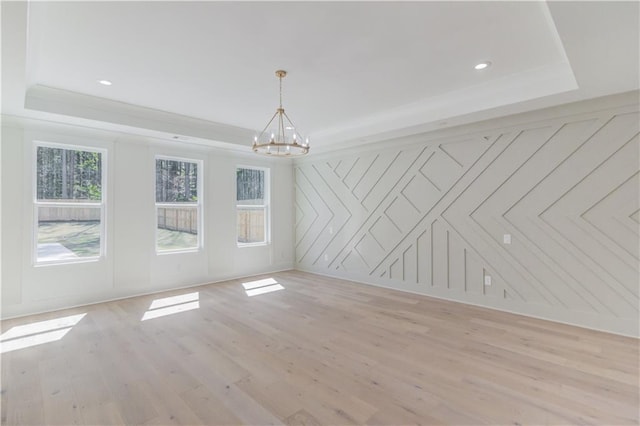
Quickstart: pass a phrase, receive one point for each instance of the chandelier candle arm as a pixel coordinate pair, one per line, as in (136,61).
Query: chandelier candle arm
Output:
(278,144)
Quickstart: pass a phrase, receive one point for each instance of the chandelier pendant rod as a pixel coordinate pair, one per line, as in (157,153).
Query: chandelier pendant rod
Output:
(280,111)
(280,78)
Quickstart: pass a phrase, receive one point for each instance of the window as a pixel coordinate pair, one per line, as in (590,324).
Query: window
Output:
(252,205)
(178,205)
(69,203)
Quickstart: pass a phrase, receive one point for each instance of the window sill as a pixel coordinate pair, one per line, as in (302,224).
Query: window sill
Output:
(242,245)
(179,251)
(62,262)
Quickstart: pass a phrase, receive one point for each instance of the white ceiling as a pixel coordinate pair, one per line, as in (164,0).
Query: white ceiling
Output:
(357,70)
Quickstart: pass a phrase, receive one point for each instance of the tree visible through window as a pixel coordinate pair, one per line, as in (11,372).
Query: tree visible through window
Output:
(252,205)
(68,203)
(176,181)
(177,205)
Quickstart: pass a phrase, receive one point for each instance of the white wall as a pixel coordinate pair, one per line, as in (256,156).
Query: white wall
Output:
(131,265)
(428,214)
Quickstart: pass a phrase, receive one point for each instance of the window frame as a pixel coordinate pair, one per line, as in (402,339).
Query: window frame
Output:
(36,204)
(266,206)
(198,205)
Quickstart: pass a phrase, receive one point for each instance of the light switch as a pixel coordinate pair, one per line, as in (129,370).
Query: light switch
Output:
(506,238)
(487,280)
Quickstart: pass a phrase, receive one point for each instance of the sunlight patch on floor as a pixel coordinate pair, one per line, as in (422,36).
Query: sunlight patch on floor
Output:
(267,285)
(172,305)
(37,333)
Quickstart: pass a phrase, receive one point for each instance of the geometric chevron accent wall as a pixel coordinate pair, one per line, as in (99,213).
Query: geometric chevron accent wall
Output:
(431,218)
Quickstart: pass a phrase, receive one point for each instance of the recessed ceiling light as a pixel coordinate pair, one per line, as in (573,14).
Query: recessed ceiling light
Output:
(482,65)
(105,82)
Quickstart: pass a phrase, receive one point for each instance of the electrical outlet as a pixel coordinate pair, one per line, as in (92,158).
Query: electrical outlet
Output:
(487,280)
(326,257)
(506,238)
(331,230)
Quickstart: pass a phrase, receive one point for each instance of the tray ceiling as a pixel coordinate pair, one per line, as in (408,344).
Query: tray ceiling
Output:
(205,70)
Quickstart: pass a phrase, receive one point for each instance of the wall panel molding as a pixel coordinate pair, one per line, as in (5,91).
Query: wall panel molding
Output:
(430,216)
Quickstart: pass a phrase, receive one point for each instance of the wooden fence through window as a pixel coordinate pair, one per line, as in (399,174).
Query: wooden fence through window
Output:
(182,220)
(250,226)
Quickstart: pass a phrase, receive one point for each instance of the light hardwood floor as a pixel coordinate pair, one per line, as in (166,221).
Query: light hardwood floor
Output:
(318,351)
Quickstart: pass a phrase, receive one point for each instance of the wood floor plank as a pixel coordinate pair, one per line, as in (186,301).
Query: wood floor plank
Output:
(301,418)
(208,408)
(318,351)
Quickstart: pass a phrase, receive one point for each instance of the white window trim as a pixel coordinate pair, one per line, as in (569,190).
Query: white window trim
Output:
(95,204)
(197,205)
(266,206)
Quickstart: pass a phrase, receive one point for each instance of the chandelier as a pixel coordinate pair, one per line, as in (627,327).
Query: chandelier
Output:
(283,139)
